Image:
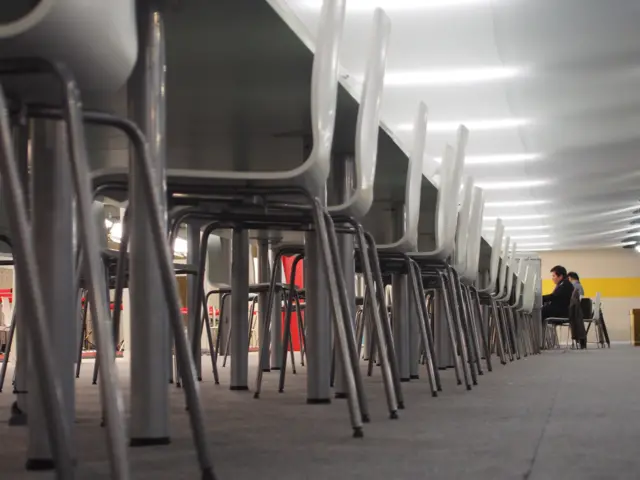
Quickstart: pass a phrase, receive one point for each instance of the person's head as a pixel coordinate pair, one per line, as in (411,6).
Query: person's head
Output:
(558,273)
(573,277)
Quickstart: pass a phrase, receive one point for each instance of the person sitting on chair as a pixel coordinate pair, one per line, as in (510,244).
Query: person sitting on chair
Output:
(556,304)
(575,280)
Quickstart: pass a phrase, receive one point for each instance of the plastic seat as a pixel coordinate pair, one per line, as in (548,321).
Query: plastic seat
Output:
(98,41)
(494,262)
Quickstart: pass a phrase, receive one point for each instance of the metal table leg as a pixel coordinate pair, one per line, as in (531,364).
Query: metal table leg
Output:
(264,276)
(400,309)
(193,287)
(149,319)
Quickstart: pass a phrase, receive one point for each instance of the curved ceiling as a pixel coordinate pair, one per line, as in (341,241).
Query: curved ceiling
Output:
(549,91)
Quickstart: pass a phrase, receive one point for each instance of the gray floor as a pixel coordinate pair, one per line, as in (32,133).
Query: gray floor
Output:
(556,416)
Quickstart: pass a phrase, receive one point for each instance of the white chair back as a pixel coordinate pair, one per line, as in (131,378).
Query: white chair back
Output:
(368,126)
(503,268)
(462,231)
(475,235)
(510,271)
(596,306)
(494,263)
(98,41)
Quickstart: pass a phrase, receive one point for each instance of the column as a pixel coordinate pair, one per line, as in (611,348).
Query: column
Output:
(317,321)
(343,173)
(264,273)
(276,319)
(194,327)
(149,319)
(400,314)
(240,311)
(52,220)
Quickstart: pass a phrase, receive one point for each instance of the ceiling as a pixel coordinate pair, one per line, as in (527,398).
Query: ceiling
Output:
(549,91)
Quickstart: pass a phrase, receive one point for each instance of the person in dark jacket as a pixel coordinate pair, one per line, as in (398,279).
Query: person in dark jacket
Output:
(556,304)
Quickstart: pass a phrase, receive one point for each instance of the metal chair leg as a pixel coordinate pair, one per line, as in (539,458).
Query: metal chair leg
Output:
(459,354)
(7,350)
(287,324)
(338,320)
(458,319)
(83,332)
(483,329)
(34,315)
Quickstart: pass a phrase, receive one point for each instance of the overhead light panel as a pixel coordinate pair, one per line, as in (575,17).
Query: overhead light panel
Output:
(485,125)
(511,185)
(517,203)
(515,217)
(449,77)
(497,159)
(529,237)
(395,5)
(521,228)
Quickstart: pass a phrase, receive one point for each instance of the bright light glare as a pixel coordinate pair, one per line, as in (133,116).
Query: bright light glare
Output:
(116,232)
(520,228)
(473,125)
(517,203)
(529,237)
(396,5)
(638,248)
(181,246)
(533,245)
(455,76)
(515,217)
(506,158)
(511,185)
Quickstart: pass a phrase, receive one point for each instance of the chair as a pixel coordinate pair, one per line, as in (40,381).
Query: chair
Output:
(594,318)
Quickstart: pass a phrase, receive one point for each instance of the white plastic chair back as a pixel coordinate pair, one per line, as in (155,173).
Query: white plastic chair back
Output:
(494,262)
(324,94)
(528,300)
(510,270)
(97,40)
(503,268)
(462,231)
(368,126)
(475,235)
(596,306)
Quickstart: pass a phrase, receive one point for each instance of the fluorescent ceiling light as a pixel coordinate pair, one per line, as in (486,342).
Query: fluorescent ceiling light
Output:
(454,76)
(529,237)
(533,245)
(520,228)
(517,203)
(397,5)
(638,248)
(473,125)
(511,185)
(516,217)
(505,158)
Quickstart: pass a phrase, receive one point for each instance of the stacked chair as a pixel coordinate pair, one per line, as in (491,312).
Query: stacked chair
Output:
(243,201)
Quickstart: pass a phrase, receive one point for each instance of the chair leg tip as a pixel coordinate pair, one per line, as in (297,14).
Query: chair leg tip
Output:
(207,474)
(394,415)
(400,405)
(256,395)
(468,387)
(434,394)
(357,432)
(365,418)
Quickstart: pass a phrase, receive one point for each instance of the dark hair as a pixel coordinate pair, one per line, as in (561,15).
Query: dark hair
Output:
(573,275)
(560,271)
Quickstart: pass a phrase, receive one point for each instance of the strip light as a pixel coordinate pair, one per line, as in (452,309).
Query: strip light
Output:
(456,76)
(512,185)
(473,125)
(515,217)
(521,228)
(517,203)
(396,5)
(505,158)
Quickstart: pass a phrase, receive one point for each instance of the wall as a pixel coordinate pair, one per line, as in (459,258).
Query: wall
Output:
(615,273)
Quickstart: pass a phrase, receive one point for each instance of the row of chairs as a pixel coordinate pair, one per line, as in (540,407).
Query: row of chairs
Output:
(284,200)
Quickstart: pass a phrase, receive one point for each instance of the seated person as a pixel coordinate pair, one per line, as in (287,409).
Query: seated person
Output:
(556,304)
(575,280)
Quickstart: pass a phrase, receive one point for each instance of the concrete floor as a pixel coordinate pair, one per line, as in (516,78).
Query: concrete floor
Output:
(556,416)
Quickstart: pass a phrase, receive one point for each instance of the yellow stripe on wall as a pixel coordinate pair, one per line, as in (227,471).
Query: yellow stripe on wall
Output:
(608,287)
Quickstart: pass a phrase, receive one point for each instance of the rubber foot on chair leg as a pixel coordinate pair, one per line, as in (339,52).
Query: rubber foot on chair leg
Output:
(256,395)
(217,382)
(40,464)
(199,379)
(207,474)
(394,415)
(400,405)
(434,394)
(318,401)
(238,388)
(468,387)
(266,370)
(357,432)
(475,383)
(281,390)
(405,380)
(415,377)
(365,418)
(178,385)
(149,442)
(340,395)
(459,382)
(275,368)
(18,418)
(94,383)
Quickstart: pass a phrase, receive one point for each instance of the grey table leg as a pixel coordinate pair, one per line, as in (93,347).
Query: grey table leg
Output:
(343,182)
(149,423)
(276,317)
(264,276)
(239,311)
(414,339)
(400,314)
(52,220)
(193,258)
(318,325)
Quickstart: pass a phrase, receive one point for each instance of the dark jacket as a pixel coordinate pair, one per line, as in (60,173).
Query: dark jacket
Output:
(559,300)
(576,317)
